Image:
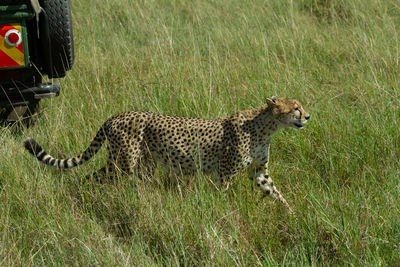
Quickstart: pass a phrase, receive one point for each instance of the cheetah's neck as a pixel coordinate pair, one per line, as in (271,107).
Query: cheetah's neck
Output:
(262,121)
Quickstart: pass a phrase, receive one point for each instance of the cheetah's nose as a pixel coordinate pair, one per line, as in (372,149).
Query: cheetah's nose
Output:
(307,117)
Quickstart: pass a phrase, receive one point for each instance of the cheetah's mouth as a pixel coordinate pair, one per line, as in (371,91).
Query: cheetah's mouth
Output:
(298,125)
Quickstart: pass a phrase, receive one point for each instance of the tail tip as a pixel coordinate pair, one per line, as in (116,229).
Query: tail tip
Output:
(32,146)
(28,139)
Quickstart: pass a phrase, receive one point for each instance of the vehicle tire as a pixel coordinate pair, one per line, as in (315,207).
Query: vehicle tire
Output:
(25,116)
(31,115)
(60,30)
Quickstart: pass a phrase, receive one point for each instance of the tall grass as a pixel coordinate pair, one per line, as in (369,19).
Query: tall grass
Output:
(209,59)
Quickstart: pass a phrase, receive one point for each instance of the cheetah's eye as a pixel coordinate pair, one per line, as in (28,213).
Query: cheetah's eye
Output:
(296,108)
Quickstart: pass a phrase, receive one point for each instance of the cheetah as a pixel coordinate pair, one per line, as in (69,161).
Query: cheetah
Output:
(140,140)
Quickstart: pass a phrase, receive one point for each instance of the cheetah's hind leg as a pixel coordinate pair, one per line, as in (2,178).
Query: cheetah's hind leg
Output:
(106,172)
(119,162)
(225,182)
(146,168)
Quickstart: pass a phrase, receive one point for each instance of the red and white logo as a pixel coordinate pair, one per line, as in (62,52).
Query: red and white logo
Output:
(13,37)
(11,45)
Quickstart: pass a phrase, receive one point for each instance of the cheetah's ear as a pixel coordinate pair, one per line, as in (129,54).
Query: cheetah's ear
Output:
(272,100)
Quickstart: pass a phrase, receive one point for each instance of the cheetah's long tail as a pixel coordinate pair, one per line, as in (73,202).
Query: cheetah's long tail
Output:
(37,151)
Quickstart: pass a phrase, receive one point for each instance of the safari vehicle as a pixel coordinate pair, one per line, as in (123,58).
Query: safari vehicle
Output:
(35,40)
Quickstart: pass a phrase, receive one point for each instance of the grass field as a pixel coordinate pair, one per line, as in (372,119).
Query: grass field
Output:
(209,59)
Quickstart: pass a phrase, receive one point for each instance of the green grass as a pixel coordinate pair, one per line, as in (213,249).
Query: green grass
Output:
(209,59)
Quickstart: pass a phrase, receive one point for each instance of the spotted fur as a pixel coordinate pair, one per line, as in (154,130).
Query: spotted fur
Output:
(141,140)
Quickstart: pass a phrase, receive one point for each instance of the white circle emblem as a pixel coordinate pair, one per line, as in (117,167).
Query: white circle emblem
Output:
(13,37)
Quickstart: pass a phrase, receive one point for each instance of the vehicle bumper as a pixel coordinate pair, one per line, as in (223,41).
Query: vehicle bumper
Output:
(14,97)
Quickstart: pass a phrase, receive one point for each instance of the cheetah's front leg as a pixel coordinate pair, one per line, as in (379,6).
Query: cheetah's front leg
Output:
(267,186)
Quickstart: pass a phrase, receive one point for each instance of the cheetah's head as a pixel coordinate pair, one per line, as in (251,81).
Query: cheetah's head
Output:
(289,112)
